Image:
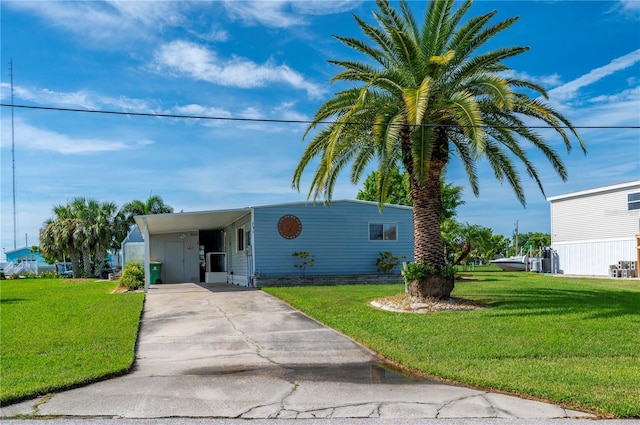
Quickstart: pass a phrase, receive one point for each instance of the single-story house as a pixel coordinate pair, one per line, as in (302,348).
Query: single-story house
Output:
(257,246)
(22,261)
(24,254)
(594,229)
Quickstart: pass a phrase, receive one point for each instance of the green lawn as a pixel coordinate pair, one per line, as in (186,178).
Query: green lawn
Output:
(59,333)
(567,340)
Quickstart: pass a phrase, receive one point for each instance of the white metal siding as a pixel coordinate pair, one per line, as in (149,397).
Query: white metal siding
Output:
(594,217)
(593,258)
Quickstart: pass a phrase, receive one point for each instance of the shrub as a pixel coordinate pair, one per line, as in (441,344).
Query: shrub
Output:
(419,271)
(132,276)
(303,259)
(386,262)
(49,275)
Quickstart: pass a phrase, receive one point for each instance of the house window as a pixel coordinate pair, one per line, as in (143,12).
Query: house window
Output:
(634,201)
(240,239)
(383,231)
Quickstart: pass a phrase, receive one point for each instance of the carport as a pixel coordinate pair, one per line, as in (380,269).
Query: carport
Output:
(176,241)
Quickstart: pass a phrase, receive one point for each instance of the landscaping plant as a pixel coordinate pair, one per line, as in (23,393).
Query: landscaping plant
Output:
(132,276)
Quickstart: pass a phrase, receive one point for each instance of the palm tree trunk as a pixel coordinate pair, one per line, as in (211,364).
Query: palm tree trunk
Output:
(427,210)
(86,262)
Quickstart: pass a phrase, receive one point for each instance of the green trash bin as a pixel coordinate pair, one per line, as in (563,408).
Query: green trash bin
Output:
(156,272)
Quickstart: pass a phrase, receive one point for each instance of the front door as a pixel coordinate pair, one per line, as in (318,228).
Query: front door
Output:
(174,262)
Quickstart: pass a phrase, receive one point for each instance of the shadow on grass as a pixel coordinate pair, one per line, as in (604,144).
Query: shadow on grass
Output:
(593,303)
(11,300)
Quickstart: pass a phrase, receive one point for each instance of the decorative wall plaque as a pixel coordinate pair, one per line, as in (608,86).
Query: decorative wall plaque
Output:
(289,226)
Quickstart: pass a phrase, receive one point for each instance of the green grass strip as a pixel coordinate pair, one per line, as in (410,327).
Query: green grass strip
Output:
(571,341)
(61,333)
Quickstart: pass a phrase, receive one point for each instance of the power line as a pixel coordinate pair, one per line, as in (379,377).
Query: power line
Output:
(283,121)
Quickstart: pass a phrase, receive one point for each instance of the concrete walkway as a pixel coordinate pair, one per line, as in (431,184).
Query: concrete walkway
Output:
(228,352)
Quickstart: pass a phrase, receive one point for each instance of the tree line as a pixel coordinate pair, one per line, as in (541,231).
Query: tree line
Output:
(462,242)
(84,231)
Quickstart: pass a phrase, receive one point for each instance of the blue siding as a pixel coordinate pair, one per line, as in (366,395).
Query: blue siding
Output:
(24,254)
(336,235)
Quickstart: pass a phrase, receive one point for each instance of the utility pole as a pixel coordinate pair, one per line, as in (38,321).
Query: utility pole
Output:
(13,161)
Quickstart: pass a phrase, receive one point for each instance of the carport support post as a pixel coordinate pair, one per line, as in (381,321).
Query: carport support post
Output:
(147,261)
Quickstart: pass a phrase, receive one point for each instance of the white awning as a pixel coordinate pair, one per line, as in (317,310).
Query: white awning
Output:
(190,221)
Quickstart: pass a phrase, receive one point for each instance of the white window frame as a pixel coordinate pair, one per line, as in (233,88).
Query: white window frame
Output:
(383,224)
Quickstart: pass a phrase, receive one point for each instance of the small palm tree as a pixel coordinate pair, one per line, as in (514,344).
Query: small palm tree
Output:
(153,205)
(424,94)
(81,231)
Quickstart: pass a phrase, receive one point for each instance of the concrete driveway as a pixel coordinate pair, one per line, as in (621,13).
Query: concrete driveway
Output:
(228,352)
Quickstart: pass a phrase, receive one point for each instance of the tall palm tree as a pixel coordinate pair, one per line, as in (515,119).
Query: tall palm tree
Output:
(422,95)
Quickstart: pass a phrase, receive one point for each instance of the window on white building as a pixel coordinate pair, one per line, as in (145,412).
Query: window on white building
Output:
(634,201)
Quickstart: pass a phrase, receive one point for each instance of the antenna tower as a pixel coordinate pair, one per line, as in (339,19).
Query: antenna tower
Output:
(13,159)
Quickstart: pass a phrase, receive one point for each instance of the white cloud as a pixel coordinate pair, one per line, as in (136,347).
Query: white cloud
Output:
(269,13)
(630,94)
(197,62)
(78,99)
(200,110)
(284,13)
(627,8)
(632,5)
(325,7)
(543,80)
(285,111)
(109,23)
(29,137)
(569,90)
(213,34)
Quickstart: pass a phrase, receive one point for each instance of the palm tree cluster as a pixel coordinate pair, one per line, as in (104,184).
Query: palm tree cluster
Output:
(423,95)
(84,230)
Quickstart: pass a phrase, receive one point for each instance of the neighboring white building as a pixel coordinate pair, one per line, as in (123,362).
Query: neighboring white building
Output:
(593,229)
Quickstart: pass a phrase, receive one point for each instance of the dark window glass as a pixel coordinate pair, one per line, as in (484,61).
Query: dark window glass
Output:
(375,232)
(240,239)
(634,201)
(390,232)
(383,232)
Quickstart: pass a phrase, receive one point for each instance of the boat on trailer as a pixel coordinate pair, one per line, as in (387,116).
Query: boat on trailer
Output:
(518,263)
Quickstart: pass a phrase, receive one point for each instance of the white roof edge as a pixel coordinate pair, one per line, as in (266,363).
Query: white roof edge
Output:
(248,209)
(244,209)
(594,190)
(328,203)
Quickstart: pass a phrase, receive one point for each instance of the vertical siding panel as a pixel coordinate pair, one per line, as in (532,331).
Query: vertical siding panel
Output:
(593,258)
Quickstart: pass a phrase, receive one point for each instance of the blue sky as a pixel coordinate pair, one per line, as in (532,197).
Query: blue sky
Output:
(268,60)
